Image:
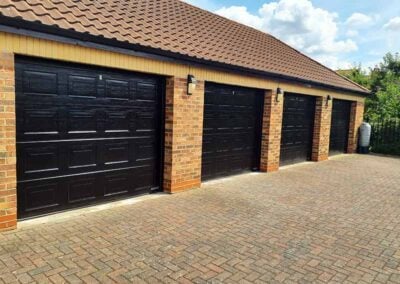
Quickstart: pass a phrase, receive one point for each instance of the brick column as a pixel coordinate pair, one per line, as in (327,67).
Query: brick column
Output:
(183,135)
(271,132)
(8,206)
(322,128)
(356,118)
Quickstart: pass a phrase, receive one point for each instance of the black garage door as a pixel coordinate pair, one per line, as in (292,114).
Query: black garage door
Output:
(232,130)
(339,127)
(84,134)
(297,128)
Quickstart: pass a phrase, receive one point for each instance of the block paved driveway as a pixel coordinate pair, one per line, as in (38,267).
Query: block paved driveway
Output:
(335,221)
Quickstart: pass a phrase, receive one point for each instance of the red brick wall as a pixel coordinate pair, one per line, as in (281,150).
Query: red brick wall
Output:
(271,132)
(322,126)
(183,135)
(8,207)
(356,118)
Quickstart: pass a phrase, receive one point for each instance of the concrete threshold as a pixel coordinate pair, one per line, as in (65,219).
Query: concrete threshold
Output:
(340,156)
(228,178)
(334,157)
(296,165)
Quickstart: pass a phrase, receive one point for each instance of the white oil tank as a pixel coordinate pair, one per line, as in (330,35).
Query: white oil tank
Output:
(365,137)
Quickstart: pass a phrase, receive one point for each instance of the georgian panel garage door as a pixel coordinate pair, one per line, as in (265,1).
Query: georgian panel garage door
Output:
(297,128)
(84,134)
(232,130)
(339,127)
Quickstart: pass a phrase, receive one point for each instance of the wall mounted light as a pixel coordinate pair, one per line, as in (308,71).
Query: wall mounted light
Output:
(328,99)
(191,85)
(279,95)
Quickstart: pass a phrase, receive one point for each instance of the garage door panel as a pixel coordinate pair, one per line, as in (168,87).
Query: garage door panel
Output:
(117,89)
(40,83)
(296,136)
(82,86)
(229,165)
(297,128)
(146,151)
(240,143)
(39,120)
(208,168)
(82,155)
(295,155)
(39,196)
(116,184)
(145,91)
(141,177)
(82,189)
(40,159)
(209,125)
(207,147)
(117,152)
(119,121)
(82,120)
(231,130)
(145,122)
(89,135)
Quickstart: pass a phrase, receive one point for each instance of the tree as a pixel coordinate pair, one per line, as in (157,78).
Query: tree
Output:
(357,75)
(388,98)
(384,83)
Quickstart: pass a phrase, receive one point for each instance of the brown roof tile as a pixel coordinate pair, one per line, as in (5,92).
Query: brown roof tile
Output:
(178,27)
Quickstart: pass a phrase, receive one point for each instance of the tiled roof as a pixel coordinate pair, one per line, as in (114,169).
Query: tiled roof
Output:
(175,26)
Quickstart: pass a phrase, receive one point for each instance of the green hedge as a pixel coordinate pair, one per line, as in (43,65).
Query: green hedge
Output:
(388,149)
(385,137)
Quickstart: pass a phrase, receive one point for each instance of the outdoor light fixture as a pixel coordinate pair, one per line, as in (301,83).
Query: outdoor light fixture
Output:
(328,99)
(191,87)
(279,94)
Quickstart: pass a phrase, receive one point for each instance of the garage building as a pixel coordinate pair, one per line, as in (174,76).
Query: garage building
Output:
(106,99)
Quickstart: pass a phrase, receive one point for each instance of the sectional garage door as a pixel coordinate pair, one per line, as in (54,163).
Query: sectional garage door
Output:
(232,130)
(84,134)
(297,128)
(339,127)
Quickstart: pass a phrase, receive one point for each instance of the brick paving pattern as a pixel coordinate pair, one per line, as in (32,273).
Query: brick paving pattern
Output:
(336,221)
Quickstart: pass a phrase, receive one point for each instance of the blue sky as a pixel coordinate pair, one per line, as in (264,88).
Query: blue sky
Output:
(338,33)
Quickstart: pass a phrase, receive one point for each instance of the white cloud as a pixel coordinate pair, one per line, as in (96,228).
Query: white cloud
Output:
(352,33)
(393,24)
(298,23)
(304,26)
(333,62)
(358,20)
(241,15)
